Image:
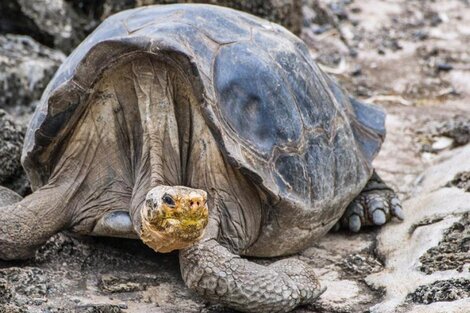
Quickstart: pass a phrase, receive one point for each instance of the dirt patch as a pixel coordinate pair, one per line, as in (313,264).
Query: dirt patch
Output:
(105,308)
(115,284)
(358,265)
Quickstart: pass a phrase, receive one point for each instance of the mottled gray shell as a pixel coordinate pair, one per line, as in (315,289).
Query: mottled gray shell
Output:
(276,116)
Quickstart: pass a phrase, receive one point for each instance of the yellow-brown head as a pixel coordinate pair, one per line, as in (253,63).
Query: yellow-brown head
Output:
(173,217)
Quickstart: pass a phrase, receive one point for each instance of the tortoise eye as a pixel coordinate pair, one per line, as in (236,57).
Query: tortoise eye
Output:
(168,200)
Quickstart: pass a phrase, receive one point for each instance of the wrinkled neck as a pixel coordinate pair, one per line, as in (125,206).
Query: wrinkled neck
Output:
(160,124)
(164,100)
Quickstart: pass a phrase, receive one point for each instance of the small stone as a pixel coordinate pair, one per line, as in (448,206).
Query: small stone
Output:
(320,29)
(444,67)
(356,71)
(356,10)
(442,143)
(461,180)
(420,34)
(113,284)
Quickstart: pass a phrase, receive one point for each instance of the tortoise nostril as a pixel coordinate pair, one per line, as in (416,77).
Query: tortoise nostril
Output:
(194,204)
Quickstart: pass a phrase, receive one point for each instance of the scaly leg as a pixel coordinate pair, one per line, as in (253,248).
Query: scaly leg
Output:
(223,277)
(29,223)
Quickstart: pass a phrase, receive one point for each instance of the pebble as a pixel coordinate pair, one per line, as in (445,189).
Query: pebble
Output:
(444,67)
(442,143)
(356,71)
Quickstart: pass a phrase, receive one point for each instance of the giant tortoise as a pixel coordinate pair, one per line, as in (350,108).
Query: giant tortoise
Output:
(206,130)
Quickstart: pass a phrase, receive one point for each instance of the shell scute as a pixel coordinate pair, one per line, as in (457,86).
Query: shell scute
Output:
(255,104)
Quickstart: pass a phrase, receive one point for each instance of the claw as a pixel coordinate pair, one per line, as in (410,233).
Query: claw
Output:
(395,201)
(357,208)
(397,211)
(375,205)
(354,223)
(378,217)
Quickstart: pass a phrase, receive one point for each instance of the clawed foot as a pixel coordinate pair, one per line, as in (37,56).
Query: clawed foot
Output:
(222,277)
(307,287)
(374,207)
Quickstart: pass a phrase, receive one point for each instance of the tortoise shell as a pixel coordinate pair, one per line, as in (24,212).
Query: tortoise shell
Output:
(275,115)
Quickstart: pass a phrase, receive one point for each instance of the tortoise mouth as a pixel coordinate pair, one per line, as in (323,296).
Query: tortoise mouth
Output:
(185,229)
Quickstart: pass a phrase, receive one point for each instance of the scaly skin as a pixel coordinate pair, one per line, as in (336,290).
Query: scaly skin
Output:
(28,224)
(220,276)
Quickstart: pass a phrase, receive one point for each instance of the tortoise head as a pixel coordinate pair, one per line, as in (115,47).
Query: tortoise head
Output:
(173,217)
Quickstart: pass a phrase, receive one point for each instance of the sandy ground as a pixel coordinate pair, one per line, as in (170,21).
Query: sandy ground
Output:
(411,57)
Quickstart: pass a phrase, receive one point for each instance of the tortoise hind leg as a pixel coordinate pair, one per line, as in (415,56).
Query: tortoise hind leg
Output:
(375,205)
(29,223)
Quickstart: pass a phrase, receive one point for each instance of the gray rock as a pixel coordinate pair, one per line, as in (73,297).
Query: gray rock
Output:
(447,172)
(52,17)
(428,252)
(26,67)
(51,22)
(5,292)
(13,20)
(11,308)
(442,134)
(11,142)
(342,260)
(23,286)
(461,180)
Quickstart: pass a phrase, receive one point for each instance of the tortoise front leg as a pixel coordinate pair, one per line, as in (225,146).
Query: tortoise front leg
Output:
(29,223)
(220,276)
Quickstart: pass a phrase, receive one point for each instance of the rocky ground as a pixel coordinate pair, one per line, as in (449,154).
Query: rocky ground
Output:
(409,56)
